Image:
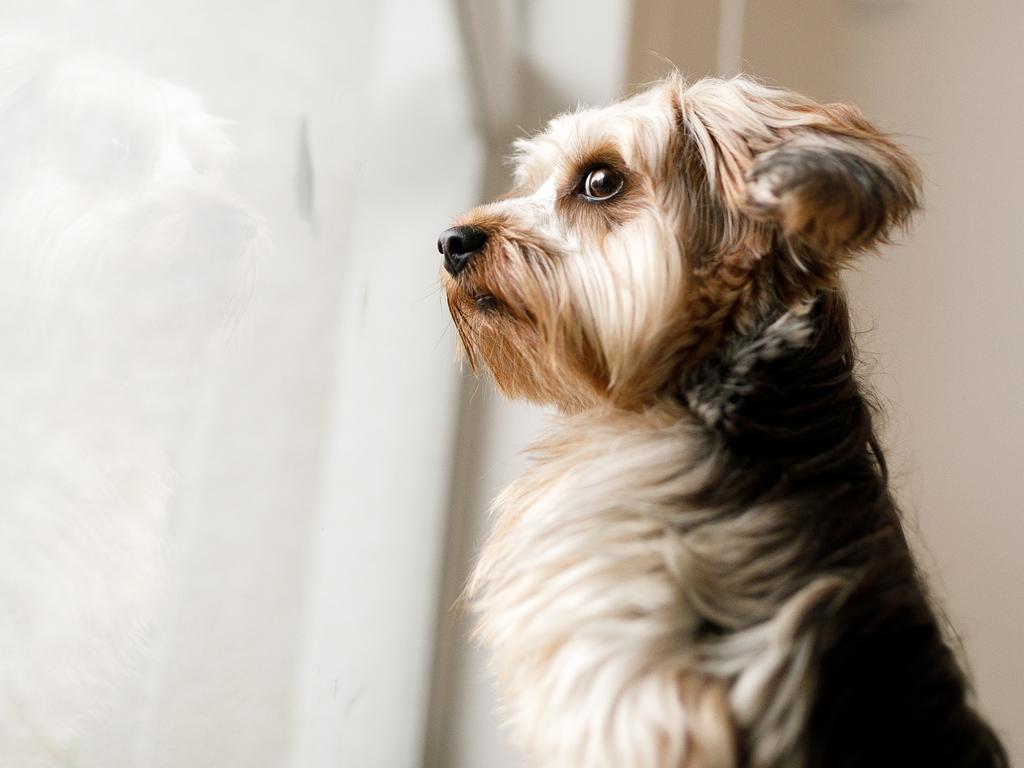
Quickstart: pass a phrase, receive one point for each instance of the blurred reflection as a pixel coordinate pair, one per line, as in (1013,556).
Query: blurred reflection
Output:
(125,263)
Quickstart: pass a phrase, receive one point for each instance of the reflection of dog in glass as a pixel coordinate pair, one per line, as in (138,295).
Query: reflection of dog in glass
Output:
(122,258)
(704,566)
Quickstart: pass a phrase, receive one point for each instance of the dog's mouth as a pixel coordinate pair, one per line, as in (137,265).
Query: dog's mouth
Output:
(486,285)
(472,288)
(485,302)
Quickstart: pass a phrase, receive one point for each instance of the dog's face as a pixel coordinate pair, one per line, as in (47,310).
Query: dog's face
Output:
(638,235)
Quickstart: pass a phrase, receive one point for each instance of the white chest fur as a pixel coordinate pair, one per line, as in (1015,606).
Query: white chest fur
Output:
(591,591)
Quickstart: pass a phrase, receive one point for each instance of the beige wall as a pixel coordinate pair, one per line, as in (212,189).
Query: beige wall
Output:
(941,311)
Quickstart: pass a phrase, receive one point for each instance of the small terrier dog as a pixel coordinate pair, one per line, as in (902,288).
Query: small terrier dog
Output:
(704,566)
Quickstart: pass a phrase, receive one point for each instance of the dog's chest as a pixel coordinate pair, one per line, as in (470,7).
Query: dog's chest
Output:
(579,589)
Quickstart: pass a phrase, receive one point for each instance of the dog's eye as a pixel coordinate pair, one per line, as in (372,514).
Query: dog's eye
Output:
(602,183)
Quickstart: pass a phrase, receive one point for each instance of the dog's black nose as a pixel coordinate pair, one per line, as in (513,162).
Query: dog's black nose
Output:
(458,244)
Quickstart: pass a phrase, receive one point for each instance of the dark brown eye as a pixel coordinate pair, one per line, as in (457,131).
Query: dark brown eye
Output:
(602,183)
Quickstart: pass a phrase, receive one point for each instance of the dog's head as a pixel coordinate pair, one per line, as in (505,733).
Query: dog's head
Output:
(638,236)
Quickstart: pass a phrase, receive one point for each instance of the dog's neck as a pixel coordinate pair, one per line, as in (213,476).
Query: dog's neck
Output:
(784,397)
(787,383)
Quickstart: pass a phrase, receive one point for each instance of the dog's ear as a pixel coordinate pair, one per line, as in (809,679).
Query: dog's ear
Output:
(821,175)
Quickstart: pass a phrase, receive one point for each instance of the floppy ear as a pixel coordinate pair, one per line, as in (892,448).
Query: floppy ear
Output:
(822,175)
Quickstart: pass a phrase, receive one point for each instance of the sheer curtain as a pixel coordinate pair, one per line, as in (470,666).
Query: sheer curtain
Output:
(229,395)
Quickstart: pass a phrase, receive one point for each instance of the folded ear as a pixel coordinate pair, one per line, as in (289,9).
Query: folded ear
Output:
(826,178)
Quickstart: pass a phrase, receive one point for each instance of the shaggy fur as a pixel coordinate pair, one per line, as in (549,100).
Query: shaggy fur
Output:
(703,565)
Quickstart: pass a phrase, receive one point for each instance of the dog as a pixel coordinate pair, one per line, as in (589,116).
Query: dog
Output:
(126,261)
(704,565)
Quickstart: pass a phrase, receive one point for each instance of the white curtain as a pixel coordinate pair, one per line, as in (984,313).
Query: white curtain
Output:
(228,395)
